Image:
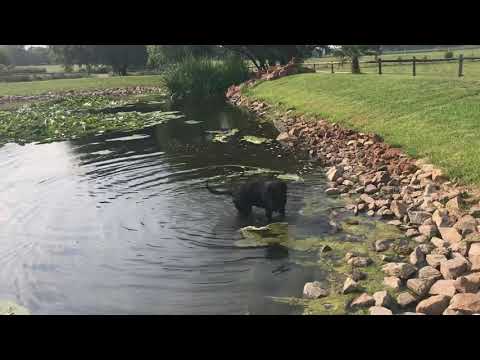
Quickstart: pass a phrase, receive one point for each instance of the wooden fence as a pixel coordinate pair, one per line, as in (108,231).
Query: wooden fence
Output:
(380,62)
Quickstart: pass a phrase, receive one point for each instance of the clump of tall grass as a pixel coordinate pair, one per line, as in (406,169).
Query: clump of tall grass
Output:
(202,77)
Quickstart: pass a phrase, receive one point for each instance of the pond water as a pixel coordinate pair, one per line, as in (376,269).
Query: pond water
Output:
(123,224)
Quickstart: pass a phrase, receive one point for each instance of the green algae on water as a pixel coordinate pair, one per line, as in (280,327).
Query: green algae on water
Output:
(224,136)
(255,139)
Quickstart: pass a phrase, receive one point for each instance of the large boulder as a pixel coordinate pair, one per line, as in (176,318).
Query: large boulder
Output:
(443,287)
(314,290)
(453,268)
(400,270)
(466,303)
(379,310)
(434,305)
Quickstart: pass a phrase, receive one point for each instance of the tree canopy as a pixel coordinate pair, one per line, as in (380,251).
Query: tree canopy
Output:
(119,57)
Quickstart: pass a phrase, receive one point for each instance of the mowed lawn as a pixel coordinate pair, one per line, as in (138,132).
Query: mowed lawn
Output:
(41,87)
(432,118)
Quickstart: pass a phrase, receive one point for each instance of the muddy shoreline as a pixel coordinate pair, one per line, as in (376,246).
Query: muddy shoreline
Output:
(438,271)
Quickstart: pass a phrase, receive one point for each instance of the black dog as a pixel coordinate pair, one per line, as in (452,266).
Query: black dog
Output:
(269,195)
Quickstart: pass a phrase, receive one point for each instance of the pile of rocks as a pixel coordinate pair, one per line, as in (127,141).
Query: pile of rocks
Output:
(272,73)
(133,90)
(442,275)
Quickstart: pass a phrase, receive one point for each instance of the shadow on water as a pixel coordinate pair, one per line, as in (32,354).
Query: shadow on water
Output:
(122,223)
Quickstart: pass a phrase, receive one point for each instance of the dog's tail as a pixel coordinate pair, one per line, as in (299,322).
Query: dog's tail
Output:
(219,192)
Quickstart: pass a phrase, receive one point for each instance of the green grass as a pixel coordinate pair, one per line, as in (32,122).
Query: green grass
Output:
(40,87)
(430,118)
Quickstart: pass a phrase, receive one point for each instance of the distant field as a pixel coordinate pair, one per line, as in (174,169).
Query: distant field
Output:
(40,87)
(429,117)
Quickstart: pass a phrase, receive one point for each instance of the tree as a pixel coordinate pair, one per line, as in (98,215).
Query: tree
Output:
(120,57)
(162,55)
(4,58)
(354,52)
(263,56)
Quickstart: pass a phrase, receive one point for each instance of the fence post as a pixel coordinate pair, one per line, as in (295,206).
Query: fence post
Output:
(314,67)
(379,66)
(414,66)
(333,72)
(460,65)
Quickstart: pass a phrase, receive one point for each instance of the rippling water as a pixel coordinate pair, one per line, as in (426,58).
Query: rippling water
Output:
(123,224)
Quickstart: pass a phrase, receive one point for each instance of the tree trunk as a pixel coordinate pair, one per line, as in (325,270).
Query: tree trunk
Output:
(355,65)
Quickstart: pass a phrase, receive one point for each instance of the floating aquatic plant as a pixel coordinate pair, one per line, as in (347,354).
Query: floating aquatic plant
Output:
(255,139)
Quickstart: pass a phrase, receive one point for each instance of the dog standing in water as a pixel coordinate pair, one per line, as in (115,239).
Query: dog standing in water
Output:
(270,195)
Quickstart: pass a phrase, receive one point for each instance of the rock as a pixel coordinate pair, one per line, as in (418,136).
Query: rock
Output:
(466,303)
(429,189)
(451,312)
(283,137)
(382,245)
(460,247)
(468,283)
(429,273)
(363,300)
(474,256)
(428,230)
(455,204)
(357,275)
(440,218)
(417,257)
(401,270)
(332,191)
(451,269)
(443,287)
(473,238)
(418,217)
(425,248)
(421,239)
(405,299)
(367,199)
(398,208)
(370,189)
(314,290)
(349,255)
(382,298)
(395,222)
(434,305)
(392,282)
(450,234)
(437,175)
(370,213)
(435,260)
(359,261)
(411,233)
(334,173)
(379,310)
(441,251)
(419,286)
(466,225)
(350,286)
(475,211)
(439,243)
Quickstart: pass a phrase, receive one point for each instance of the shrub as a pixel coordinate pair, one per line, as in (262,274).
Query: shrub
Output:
(28,70)
(448,54)
(204,77)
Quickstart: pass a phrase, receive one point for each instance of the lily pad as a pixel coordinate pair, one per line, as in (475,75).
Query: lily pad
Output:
(275,233)
(193,122)
(10,308)
(223,137)
(255,139)
(290,177)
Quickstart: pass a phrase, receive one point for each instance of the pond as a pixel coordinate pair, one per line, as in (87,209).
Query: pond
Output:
(122,223)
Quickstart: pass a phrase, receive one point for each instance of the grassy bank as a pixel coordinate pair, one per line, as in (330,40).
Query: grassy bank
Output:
(433,118)
(41,87)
